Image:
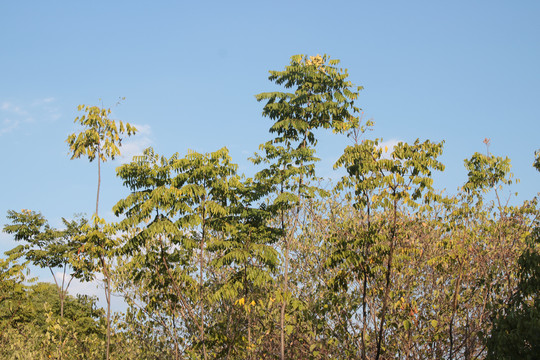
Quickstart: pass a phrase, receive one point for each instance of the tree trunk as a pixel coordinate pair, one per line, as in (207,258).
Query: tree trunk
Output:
(104,264)
(454,308)
(99,181)
(201,264)
(283,301)
(365,280)
(388,281)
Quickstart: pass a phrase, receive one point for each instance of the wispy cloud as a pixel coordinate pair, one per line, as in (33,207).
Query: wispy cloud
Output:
(388,145)
(47,100)
(12,108)
(12,115)
(134,146)
(15,114)
(8,125)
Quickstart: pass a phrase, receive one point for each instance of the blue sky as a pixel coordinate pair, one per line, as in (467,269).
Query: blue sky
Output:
(458,71)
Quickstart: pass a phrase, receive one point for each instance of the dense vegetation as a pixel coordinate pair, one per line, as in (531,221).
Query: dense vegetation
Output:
(214,265)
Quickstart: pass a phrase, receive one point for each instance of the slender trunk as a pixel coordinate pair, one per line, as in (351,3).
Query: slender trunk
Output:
(62,293)
(284,285)
(388,280)
(60,290)
(246,294)
(454,307)
(201,264)
(364,287)
(249,336)
(283,302)
(99,180)
(104,264)
(364,316)
(108,299)
(228,332)
(62,300)
(408,344)
(176,355)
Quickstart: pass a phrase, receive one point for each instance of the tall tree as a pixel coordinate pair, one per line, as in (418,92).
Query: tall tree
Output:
(516,324)
(185,197)
(157,266)
(100,139)
(397,183)
(244,251)
(322,98)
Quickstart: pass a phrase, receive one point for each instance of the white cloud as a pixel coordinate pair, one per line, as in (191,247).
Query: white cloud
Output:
(43,101)
(13,109)
(388,144)
(8,125)
(15,114)
(134,146)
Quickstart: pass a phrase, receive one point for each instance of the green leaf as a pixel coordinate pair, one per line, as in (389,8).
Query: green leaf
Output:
(407,324)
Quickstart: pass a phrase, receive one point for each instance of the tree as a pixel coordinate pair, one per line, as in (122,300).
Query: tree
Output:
(49,248)
(185,197)
(395,184)
(353,242)
(100,139)
(33,328)
(322,98)
(155,272)
(244,252)
(516,325)
(12,290)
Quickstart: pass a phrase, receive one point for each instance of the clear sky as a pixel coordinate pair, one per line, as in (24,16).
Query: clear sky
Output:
(458,71)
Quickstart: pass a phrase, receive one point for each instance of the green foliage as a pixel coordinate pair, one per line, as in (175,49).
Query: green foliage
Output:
(388,184)
(175,206)
(516,325)
(485,171)
(100,137)
(404,176)
(322,98)
(35,329)
(45,246)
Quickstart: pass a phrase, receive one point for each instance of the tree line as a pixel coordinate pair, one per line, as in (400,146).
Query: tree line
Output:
(282,265)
